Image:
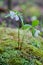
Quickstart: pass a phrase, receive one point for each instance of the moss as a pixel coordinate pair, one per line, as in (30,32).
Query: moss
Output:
(28,55)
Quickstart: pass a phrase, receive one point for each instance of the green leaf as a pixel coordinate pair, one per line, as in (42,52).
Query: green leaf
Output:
(35,23)
(26,26)
(7,15)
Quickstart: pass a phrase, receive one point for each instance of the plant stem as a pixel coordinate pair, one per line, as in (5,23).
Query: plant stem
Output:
(18,39)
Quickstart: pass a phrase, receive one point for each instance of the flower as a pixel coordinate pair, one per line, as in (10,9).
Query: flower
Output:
(16,18)
(14,15)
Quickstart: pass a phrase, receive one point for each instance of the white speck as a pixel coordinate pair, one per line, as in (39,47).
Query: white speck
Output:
(34,18)
(37,33)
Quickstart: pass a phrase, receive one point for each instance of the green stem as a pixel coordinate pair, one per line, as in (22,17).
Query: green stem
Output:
(18,39)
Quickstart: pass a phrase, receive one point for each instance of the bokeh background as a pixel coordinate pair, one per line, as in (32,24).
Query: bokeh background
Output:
(29,8)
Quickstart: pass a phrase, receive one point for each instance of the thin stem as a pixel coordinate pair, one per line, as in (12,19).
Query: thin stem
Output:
(23,34)
(18,38)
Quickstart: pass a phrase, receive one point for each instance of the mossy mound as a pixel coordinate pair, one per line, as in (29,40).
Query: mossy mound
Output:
(30,54)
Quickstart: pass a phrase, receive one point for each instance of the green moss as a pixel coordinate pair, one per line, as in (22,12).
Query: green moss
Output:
(28,55)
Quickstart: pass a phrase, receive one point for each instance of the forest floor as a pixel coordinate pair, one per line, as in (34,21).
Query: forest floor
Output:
(27,50)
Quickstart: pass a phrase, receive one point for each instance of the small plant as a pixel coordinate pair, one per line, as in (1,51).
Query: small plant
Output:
(16,15)
(35,23)
(28,27)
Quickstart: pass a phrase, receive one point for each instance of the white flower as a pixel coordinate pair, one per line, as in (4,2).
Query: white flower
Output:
(13,15)
(37,33)
(16,18)
(34,18)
